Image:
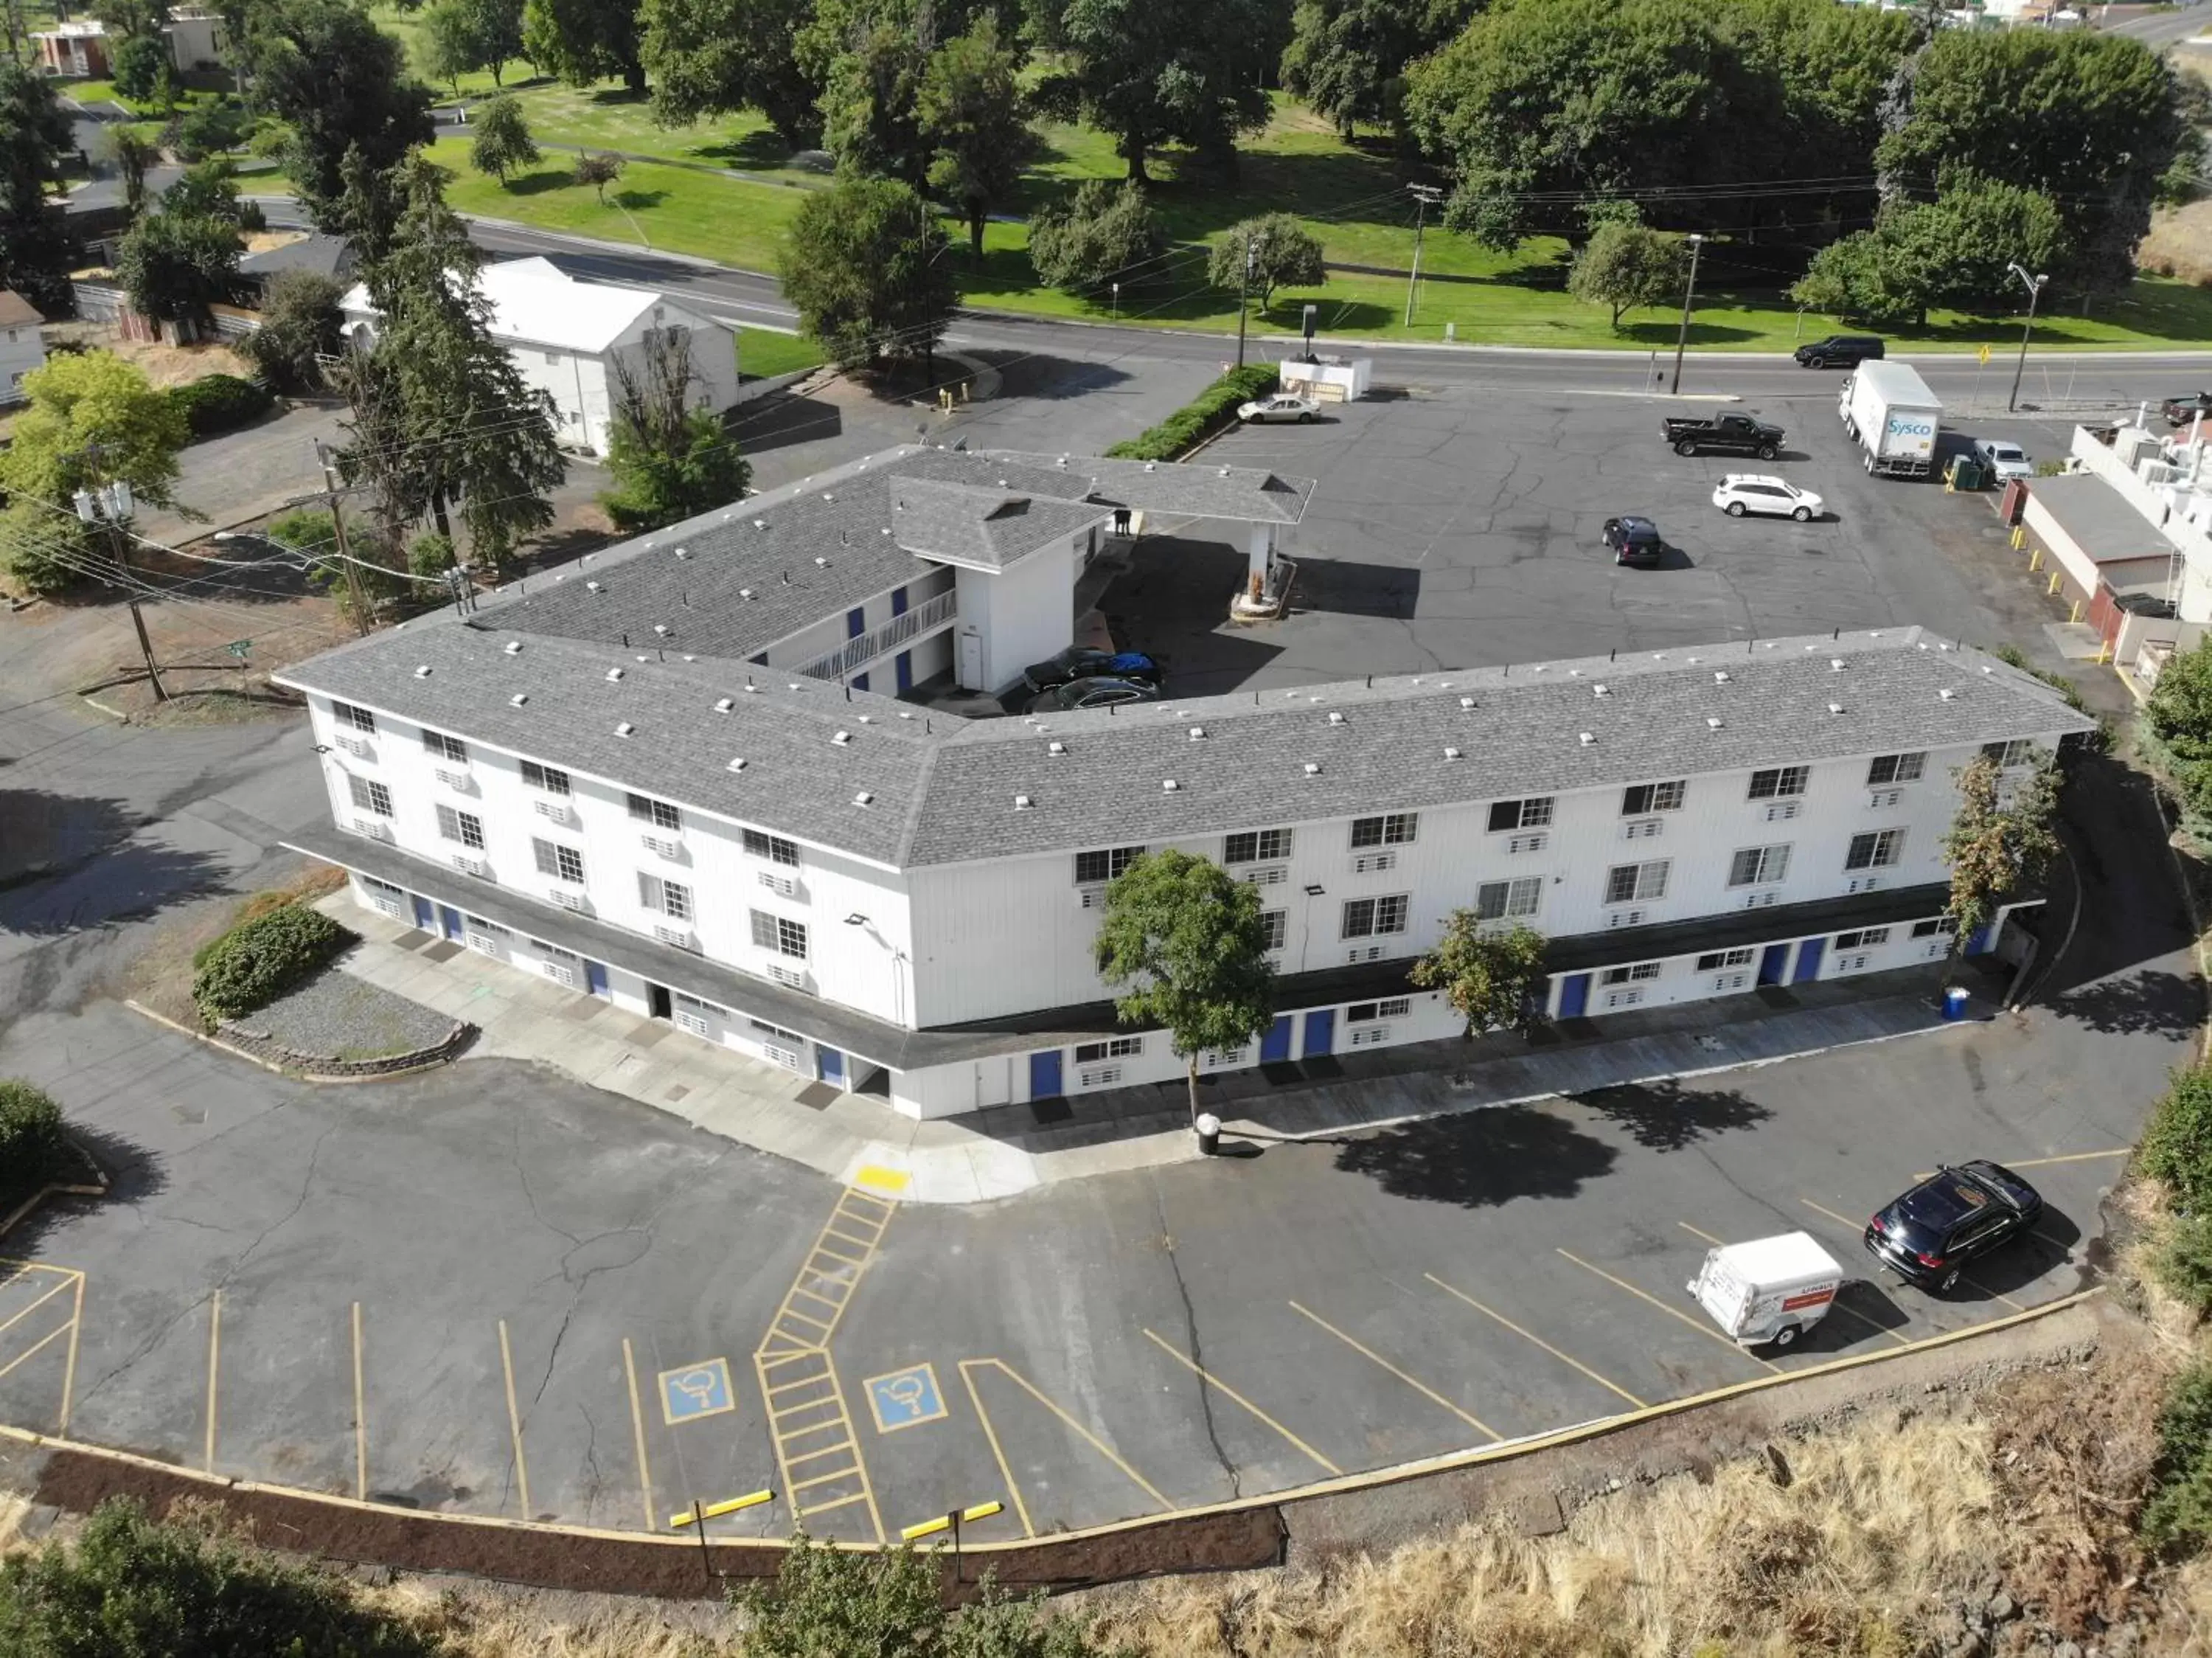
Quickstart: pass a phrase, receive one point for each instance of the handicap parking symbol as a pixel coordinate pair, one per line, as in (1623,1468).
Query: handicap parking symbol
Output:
(904,1397)
(695,1391)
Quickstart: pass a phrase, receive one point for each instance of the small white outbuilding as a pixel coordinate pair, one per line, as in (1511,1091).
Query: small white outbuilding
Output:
(566,336)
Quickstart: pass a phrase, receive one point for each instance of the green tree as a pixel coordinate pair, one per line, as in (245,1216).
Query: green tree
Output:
(299,323)
(462,36)
(1149,74)
(1277,248)
(585,40)
(340,85)
(1998,844)
(176,262)
(131,20)
(34,135)
(865,264)
(503,138)
(1184,945)
(1622,267)
(670,458)
(133,155)
(871,116)
(131,1584)
(1102,233)
(714,57)
(211,128)
(2180,712)
(92,418)
(430,554)
(971,115)
(1493,975)
(137,66)
(599,169)
(440,409)
(1347,58)
(2046,110)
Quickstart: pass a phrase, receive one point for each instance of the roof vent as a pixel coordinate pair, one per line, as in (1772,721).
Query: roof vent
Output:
(1022,801)
(591,586)
(1148,466)
(1225,472)
(1720,676)
(513,647)
(751,690)
(422,672)
(724,704)
(661,628)
(1586,738)
(1712,722)
(887,530)
(739,763)
(792,684)
(1947,693)
(614,674)
(1335,716)
(1467,701)
(1313,769)
(821,563)
(1198,733)
(1836,665)
(1055,748)
(843,738)
(1600,691)
(519,698)
(1169,785)
(745,593)
(760,523)
(1835,708)
(1451,753)
(1062,461)
(864,798)
(625,729)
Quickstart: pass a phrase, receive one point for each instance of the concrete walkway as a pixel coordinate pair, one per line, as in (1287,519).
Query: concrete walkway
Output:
(1009,1150)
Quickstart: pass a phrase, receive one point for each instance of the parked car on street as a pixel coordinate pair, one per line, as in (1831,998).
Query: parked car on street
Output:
(2180,411)
(1279,405)
(1742,492)
(1082,662)
(1634,540)
(1092,693)
(2001,462)
(1840,351)
(1735,433)
(1929,1235)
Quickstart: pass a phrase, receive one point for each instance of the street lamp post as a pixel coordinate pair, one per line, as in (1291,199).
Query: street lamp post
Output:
(1689,295)
(108,505)
(2034,285)
(1252,245)
(1425,196)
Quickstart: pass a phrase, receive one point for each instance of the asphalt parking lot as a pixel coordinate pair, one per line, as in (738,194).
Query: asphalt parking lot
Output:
(1456,525)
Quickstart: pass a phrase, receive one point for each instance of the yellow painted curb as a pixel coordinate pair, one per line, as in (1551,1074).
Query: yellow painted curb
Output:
(880,1178)
(716,1510)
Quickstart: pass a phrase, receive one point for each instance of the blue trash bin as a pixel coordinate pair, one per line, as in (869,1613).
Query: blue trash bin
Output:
(1954,1002)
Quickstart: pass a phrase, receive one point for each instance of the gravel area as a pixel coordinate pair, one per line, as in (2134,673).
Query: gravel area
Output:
(338,1016)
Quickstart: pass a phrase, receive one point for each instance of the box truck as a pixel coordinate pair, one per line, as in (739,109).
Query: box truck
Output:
(1769,1291)
(1893,417)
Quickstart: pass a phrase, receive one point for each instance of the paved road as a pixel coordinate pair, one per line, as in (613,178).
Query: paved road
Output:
(2166,28)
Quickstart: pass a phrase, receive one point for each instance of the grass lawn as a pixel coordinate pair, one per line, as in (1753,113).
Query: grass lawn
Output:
(762,354)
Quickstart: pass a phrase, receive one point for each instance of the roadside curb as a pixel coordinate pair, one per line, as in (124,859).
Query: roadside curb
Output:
(442,1052)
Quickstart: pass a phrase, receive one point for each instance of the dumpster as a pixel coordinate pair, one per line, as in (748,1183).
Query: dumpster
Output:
(1966,473)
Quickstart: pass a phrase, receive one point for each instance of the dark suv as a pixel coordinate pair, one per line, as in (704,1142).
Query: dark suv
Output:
(1927,1235)
(1635,540)
(1840,351)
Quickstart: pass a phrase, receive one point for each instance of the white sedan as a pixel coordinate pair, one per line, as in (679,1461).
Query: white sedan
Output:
(1742,492)
(1282,405)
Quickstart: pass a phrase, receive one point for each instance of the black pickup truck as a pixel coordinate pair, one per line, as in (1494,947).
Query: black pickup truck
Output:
(1733,433)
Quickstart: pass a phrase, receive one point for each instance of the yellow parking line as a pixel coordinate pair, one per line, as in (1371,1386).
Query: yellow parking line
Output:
(1564,1358)
(638,1434)
(868,1497)
(1074,1426)
(33,1351)
(69,1371)
(1222,1387)
(215,1353)
(514,1421)
(1859,1227)
(360,1418)
(1422,1389)
(1671,1312)
(2046,1162)
(57,1290)
(1835,1304)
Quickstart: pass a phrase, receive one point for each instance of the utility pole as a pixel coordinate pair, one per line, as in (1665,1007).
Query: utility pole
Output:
(1689,296)
(356,603)
(1244,291)
(1425,196)
(108,504)
(2034,292)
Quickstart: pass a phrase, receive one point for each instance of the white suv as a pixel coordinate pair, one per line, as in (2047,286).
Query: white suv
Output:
(1742,492)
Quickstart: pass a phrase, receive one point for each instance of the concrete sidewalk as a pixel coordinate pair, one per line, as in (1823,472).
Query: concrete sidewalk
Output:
(1009,1150)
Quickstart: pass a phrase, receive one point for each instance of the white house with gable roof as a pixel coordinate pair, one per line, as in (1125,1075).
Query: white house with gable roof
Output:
(673,778)
(566,337)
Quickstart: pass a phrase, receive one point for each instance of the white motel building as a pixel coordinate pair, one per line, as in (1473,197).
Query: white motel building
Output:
(678,776)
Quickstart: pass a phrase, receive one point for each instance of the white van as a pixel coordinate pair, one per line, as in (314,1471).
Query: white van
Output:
(1769,1291)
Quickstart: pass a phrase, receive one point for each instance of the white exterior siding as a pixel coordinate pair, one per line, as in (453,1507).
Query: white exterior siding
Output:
(22,350)
(1016,616)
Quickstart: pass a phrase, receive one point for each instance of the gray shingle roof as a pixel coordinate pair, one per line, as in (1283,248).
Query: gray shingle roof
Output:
(1190,489)
(987,527)
(1405,743)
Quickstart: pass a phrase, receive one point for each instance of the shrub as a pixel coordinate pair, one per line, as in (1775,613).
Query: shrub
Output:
(430,554)
(2178,1516)
(2177,1147)
(258,961)
(31,1144)
(1102,233)
(221,403)
(133,1584)
(2182,1261)
(1204,415)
